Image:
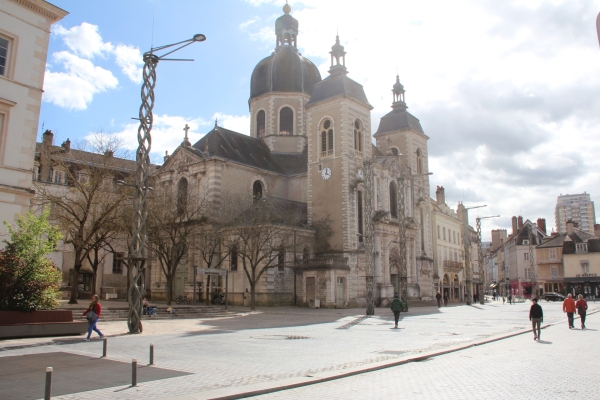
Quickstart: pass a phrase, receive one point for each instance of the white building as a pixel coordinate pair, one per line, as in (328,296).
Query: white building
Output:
(578,208)
(24,35)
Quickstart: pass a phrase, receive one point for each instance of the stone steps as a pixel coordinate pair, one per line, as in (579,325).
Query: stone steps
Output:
(161,313)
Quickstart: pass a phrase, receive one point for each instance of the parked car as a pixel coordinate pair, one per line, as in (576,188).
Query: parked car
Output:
(553,296)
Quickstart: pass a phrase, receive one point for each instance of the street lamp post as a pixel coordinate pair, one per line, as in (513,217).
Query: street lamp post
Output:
(137,246)
(467,251)
(480,259)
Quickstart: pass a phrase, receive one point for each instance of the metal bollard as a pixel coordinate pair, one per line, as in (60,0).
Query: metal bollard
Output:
(134,372)
(48,393)
(104,346)
(151,354)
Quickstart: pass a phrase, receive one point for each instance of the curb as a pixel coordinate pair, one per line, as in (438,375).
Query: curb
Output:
(424,357)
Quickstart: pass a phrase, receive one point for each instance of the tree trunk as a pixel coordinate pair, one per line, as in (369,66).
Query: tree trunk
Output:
(169,289)
(252,296)
(74,285)
(94,282)
(208,299)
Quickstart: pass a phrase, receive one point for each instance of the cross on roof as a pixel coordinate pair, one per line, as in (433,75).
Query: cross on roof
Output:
(186,129)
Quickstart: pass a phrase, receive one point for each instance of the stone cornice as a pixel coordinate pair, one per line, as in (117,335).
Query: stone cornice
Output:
(44,8)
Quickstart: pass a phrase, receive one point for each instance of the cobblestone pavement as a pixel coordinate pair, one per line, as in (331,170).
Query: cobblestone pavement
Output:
(281,346)
(561,365)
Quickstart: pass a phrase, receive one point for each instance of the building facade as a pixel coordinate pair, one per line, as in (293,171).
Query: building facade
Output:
(24,35)
(578,208)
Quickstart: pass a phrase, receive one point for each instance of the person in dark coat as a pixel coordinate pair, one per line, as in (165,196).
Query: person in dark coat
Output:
(445,299)
(396,307)
(581,306)
(536,316)
(438,297)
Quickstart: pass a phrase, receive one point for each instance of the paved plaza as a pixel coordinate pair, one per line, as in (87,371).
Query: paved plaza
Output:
(276,348)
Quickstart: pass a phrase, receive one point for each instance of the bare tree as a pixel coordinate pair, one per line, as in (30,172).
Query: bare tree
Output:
(174,218)
(84,200)
(261,235)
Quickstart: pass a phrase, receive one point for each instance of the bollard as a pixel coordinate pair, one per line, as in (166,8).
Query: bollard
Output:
(151,354)
(134,372)
(48,393)
(104,346)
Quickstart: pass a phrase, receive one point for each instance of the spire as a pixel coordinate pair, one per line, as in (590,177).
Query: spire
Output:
(337,52)
(216,122)
(186,140)
(398,96)
(286,30)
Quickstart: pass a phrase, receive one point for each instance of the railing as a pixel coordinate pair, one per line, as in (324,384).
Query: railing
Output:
(453,266)
(550,261)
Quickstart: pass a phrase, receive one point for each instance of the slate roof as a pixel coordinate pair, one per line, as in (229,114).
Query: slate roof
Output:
(336,85)
(577,236)
(250,151)
(398,119)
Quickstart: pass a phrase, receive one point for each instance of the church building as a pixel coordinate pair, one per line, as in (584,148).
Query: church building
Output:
(311,146)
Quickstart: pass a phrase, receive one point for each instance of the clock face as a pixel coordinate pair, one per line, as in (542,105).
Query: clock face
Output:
(326,173)
(360,174)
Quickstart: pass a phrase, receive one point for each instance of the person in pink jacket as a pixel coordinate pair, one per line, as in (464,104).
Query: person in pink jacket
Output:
(93,314)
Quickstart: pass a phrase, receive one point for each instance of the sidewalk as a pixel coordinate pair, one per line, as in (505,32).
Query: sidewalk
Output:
(278,346)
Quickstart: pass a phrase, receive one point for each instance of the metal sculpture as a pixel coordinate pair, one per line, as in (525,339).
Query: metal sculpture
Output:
(137,246)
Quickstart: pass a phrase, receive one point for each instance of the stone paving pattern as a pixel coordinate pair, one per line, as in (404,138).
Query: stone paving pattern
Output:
(279,345)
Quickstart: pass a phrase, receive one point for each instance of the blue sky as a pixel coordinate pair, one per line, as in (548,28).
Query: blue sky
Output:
(507,91)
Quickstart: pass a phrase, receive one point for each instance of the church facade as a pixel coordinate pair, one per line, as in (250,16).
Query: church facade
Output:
(311,146)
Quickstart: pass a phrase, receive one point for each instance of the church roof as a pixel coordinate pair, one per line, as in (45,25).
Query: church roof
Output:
(397,120)
(336,85)
(237,147)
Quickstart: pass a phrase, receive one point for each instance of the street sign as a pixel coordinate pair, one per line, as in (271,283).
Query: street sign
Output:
(211,271)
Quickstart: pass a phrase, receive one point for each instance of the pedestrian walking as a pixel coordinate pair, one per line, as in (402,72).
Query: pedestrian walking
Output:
(536,316)
(581,307)
(569,308)
(396,307)
(445,299)
(503,300)
(510,299)
(438,297)
(93,314)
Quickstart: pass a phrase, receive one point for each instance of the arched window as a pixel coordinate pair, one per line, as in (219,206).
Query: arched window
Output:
(233,258)
(305,256)
(281,259)
(182,194)
(326,139)
(257,191)
(393,200)
(358,135)
(260,124)
(286,121)
(419,162)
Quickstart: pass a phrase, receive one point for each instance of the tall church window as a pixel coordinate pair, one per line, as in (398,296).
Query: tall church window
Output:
(281,259)
(326,139)
(393,200)
(257,191)
(182,193)
(358,135)
(359,208)
(286,121)
(260,124)
(419,162)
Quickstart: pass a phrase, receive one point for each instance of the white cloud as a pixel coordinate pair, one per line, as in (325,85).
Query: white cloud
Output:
(84,40)
(237,123)
(75,88)
(129,58)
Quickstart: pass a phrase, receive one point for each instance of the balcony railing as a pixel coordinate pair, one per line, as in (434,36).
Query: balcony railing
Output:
(453,266)
(550,261)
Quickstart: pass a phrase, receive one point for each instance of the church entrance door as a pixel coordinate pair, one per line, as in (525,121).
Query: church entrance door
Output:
(310,289)
(341,292)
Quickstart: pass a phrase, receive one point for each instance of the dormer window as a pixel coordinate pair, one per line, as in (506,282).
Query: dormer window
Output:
(58,176)
(326,139)
(286,121)
(581,248)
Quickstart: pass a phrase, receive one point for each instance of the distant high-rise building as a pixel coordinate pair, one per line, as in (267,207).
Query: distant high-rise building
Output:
(576,207)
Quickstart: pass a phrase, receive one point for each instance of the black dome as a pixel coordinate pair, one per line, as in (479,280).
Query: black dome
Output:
(284,71)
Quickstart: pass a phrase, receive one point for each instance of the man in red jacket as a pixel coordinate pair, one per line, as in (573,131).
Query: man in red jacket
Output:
(569,308)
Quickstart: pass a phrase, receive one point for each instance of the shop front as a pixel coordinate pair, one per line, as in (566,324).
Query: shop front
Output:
(586,284)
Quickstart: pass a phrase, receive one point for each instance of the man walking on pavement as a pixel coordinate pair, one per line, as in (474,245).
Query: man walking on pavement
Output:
(396,307)
(569,308)
(536,316)
(438,297)
(582,307)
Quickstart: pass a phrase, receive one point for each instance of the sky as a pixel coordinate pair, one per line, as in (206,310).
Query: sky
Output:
(507,91)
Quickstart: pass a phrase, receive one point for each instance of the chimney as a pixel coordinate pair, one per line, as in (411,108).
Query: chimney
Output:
(47,138)
(541,224)
(570,227)
(514,225)
(166,155)
(66,145)
(520,222)
(440,195)
(597,230)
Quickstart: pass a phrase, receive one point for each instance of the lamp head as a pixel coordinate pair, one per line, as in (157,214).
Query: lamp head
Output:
(199,37)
